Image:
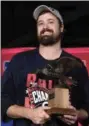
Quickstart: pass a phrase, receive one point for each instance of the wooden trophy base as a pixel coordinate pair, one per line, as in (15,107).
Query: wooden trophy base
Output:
(61,111)
(60,102)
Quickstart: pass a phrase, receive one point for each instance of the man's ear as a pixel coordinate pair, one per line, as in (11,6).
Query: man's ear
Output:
(62,28)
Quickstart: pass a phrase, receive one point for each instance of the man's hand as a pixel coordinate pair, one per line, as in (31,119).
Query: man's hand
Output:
(37,115)
(69,119)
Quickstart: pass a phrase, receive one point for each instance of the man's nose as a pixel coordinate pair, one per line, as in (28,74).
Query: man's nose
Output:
(45,26)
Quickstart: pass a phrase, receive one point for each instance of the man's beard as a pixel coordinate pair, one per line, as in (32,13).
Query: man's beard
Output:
(49,40)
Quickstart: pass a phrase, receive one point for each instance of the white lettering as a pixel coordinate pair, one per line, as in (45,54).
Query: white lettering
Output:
(34,97)
(39,96)
(44,104)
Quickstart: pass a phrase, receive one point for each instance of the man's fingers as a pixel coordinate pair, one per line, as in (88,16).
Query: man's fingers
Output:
(70,117)
(71,107)
(46,107)
(45,115)
(68,121)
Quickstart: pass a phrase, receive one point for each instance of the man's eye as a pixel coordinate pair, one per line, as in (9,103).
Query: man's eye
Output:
(51,22)
(40,23)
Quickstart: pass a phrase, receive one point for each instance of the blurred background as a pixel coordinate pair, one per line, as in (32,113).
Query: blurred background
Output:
(18,28)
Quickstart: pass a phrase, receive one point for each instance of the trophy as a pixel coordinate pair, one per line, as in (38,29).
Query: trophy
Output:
(59,96)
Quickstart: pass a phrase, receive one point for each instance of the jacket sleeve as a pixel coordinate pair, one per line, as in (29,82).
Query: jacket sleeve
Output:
(8,92)
(81,92)
(87,99)
(85,102)
(84,88)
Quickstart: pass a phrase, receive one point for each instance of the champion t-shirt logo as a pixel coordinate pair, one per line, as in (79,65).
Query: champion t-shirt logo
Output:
(38,96)
(37,91)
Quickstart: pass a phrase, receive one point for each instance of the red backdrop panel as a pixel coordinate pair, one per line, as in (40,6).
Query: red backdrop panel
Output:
(7,54)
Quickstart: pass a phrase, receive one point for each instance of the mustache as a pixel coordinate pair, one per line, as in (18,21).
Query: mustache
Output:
(46,30)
